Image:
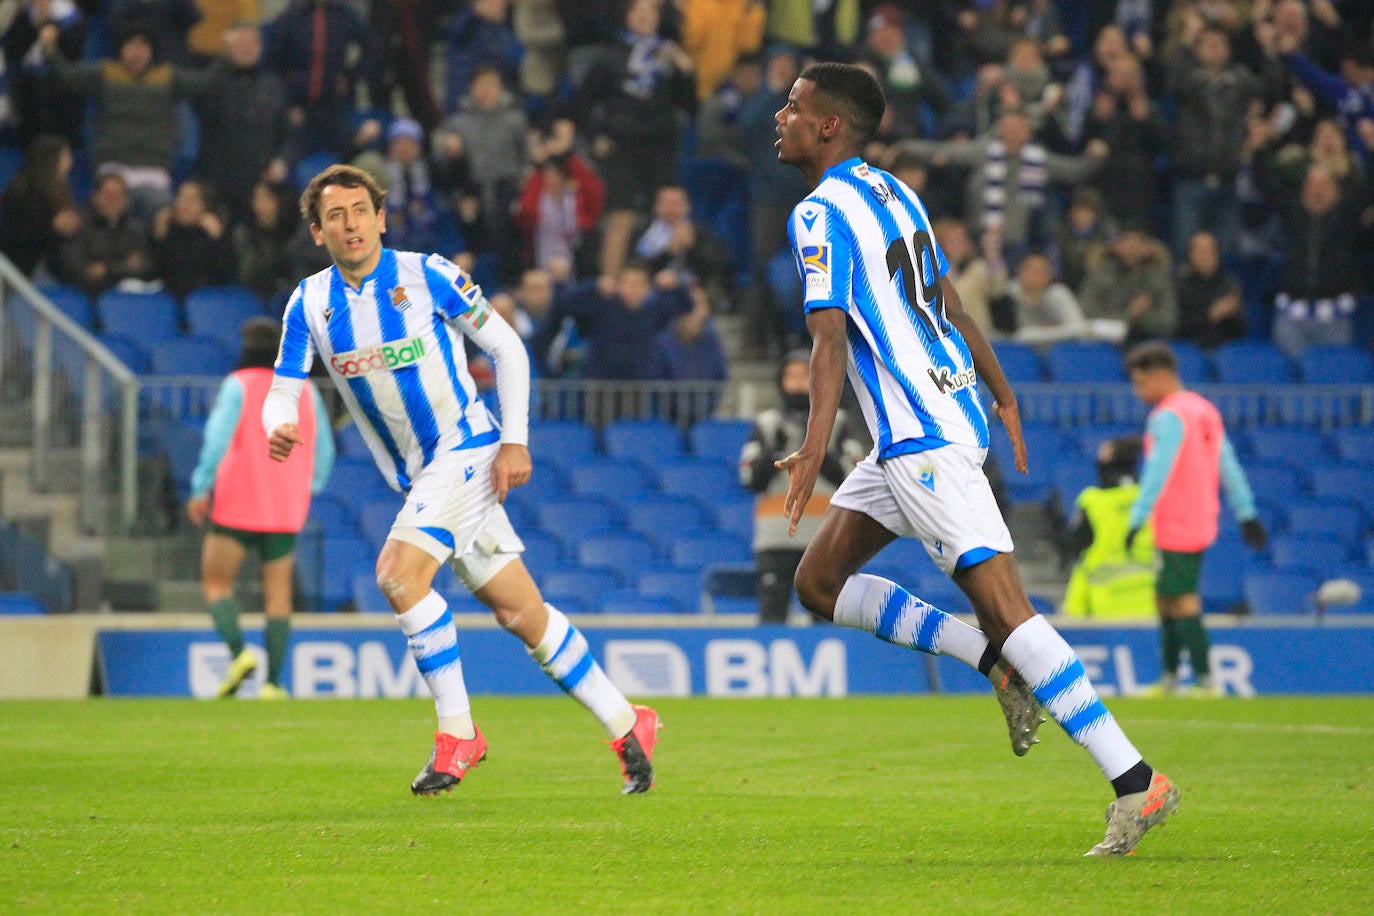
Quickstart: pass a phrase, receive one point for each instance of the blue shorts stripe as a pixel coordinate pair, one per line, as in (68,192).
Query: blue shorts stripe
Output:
(1085,718)
(573,679)
(974,557)
(930,628)
(892,613)
(442,535)
(442,659)
(1046,691)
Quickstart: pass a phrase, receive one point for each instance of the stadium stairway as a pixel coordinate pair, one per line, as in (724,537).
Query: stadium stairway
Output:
(53,518)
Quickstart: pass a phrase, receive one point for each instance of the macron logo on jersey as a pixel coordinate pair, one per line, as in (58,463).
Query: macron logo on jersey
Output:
(947,382)
(816,268)
(388,356)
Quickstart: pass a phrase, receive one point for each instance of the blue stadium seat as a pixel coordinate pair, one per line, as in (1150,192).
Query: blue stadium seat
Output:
(367,597)
(700,551)
(1287,444)
(1299,551)
(375,518)
(720,439)
(583,585)
(1355,444)
(1251,362)
(1020,363)
(349,443)
(1273,482)
(332,513)
(574,518)
(1325,520)
(735,515)
(561,442)
(650,442)
(663,518)
(192,355)
(683,587)
(1335,365)
(311,165)
(629,554)
(1194,366)
(129,352)
(630,601)
(73,303)
(1085,361)
(1222,582)
(181,444)
(908,555)
(326,566)
(1069,478)
(703,479)
(1280,593)
(542,553)
(220,311)
(145,317)
(944,594)
(1345,483)
(20,603)
(616,480)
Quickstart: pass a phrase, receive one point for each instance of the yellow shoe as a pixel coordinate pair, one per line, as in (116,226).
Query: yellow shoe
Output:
(1198,692)
(270,691)
(244,664)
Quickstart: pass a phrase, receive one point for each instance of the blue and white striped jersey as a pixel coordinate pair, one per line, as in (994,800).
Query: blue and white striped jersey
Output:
(395,351)
(863,243)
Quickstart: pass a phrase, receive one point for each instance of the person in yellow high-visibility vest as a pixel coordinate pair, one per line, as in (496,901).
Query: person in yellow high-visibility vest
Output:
(1109,581)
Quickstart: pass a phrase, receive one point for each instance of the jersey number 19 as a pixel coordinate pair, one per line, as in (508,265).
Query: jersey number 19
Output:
(925,301)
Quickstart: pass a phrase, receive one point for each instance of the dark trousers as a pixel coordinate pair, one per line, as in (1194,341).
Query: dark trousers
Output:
(776,569)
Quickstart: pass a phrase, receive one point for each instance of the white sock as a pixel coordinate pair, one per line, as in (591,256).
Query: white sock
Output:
(1057,678)
(433,643)
(893,614)
(563,654)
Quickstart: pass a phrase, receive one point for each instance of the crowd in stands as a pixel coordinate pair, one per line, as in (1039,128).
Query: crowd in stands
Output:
(1115,171)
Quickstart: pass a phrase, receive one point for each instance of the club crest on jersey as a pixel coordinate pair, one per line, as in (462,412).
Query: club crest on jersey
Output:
(399,299)
(947,382)
(816,268)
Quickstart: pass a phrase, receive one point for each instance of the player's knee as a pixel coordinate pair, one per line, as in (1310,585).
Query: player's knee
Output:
(815,590)
(394,587)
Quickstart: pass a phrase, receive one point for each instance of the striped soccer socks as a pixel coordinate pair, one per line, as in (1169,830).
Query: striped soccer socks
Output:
(433,641)
(564,656)
(890,612)
(1058,681)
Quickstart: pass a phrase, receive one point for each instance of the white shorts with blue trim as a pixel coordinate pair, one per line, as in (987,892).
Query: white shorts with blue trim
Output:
(940,497)
(451,513)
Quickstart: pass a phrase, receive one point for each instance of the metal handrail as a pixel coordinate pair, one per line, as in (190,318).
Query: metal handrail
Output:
(99,360)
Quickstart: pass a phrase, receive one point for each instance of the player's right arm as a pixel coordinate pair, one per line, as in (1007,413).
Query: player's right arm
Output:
(988,368)
(294,359)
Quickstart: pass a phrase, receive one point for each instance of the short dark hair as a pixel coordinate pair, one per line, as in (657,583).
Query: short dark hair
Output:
(345,176)
(1151,355)
(855,91)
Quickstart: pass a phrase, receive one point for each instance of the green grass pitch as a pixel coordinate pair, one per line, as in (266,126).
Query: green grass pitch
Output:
(860,805)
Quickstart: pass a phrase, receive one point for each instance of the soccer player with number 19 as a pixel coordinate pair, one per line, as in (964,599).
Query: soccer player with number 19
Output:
(879,307)
(389,326)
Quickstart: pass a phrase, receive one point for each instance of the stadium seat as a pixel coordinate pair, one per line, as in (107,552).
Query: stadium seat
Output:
(1355,444)
(1085,361)
(129,352)
(326,566)
(20,603)
(375,518)
(311,165)
(1068,479)
(542,553)
(332,513)
(220,311)
(73,303)
(702,479)
(367,597)
(561,442)
(663,518)
(1345,483)
(1241,362)
(735,515)
(650,442)
(721,439)
(1288,444)
(181,444)
(192,355)
(1300,551)
(1335,365)
(1222,581)
(616,480)
(632,602)
(572,519)
(1273,482)
(355,481)
(1194,367)
(683,587)
(629,554)
(1280,593)
(699,551)
(350,444)
(582,585)
(145,317)
(908,555)
(1325,520)
(1020,363)
(945,595)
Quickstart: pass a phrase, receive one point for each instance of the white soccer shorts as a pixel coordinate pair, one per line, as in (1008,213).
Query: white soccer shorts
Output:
(452,515)
(939,497)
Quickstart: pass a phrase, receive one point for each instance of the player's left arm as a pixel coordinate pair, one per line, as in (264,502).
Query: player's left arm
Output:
(988,368)
(1233,481)
(219,432)
(829,353)
(462,304)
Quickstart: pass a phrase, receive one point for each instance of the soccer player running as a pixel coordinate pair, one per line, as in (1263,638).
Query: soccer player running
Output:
(1187,455)
(390,327)
(878,306)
